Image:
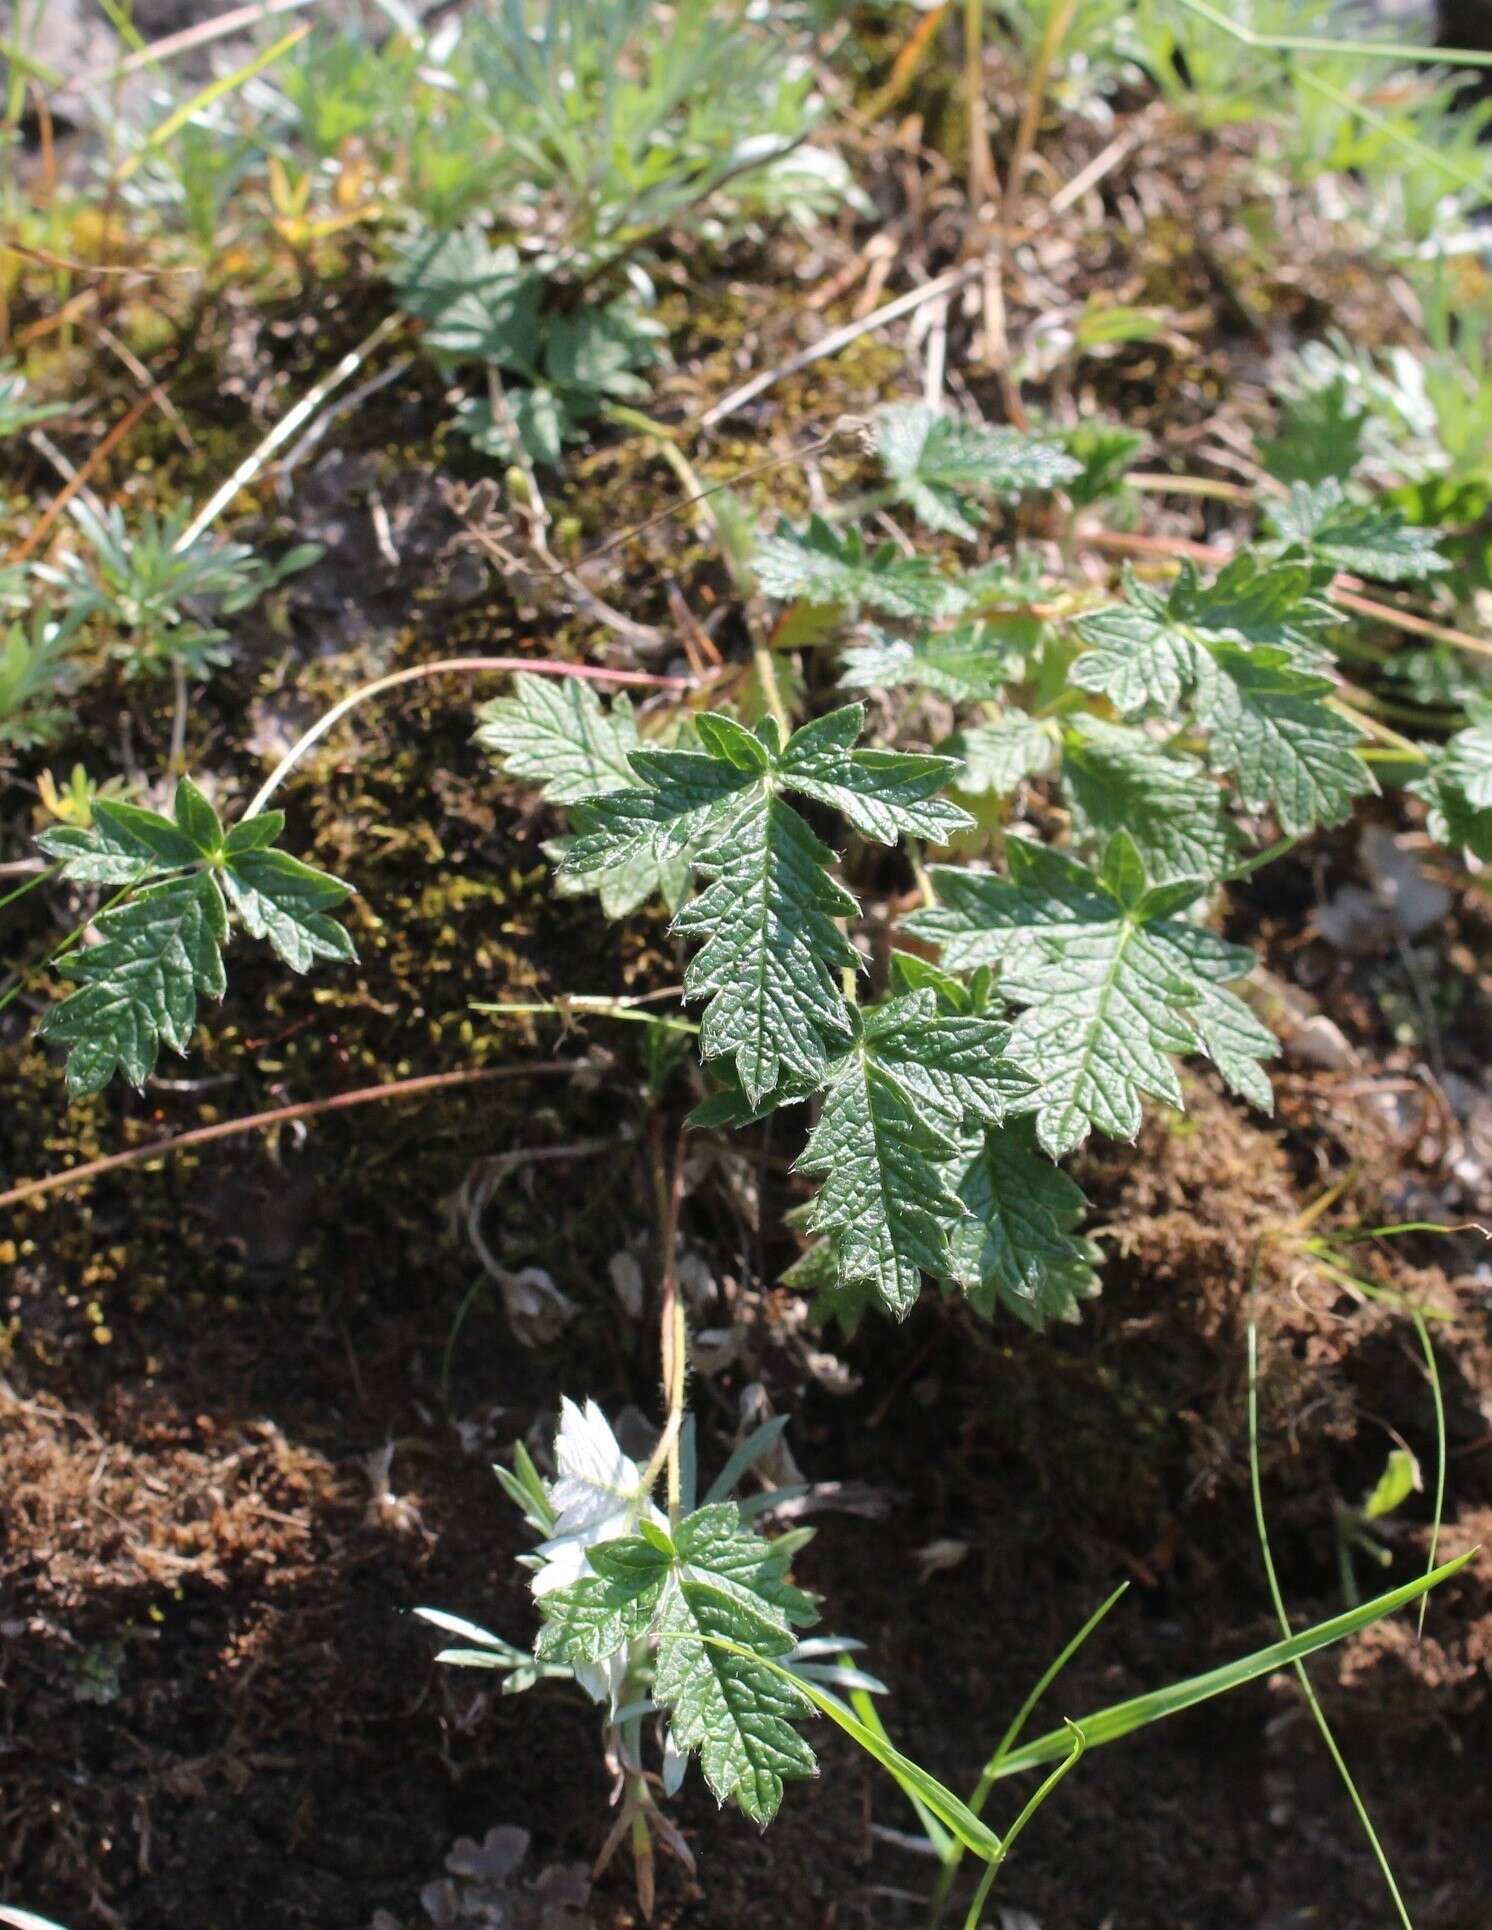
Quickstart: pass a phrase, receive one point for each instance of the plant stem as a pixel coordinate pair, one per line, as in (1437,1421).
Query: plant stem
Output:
(992,1868)
(581,1005)
(1284,1621)
(672,1327)
(40,878)
(991,1771)
(1059,20)
(449,666)
(282,1115)
(766,676)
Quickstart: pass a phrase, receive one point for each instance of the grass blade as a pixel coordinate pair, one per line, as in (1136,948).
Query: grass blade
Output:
(1338,1759)
(1123,1718)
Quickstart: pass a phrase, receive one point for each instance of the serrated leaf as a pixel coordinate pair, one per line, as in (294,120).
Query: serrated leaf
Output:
(973,662)
(771,947)
(1148,653)
(1000,755)
(940,463)
(1458,788)
(288,903)
(1269,725)
(771,953)
(1118,779)
(1320,435)
(1246,650)
(883,794)
(1112,983)
(822,567)
(588,1621)
(1017,1246)
(1368,539)
(479,303)
(723,1703)
(140,985)
(163,947)
(892,1107)
(556,732)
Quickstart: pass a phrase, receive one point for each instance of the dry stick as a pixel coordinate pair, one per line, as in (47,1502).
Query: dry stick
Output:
(179,43)
(1058,23)
(282,1115)
(1405,620)
(452,666)
(1349,599)
(947,283)
(78,479)
(285,428)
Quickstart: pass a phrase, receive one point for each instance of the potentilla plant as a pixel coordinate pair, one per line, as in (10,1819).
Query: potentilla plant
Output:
(1167,739)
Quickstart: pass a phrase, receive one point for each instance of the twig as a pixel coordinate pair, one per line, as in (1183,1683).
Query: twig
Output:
(282,1115)
(189,37)
(947,283)
(449,666)
(77,480)
(286,428)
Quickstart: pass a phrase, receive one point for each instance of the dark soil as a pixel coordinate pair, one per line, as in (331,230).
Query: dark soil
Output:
(250,1394)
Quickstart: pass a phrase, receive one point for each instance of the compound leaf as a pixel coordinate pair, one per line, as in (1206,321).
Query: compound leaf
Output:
(771,952)
(1118,779)
(973,662)
(939,463)
(1320,435)
(1110,980)
(1458,788)
(1368,539)
(1017,1245)
(893,1104)
(288,903)
(824,568)
(723,1610)
(556,732)
(1270,726)
(1000,755)
(163,948)
(140,984)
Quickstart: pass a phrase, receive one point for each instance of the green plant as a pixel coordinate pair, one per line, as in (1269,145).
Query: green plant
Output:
(155,589)
(37,670)
(1174,724)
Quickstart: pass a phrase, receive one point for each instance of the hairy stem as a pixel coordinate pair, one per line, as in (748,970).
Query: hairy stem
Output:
(448,666)
(282,1115)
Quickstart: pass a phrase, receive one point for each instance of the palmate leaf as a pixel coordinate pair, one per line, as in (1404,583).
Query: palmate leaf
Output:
(555,731)
(818,566)
(939,464)
(1245,650)
(1458,788)
(1368,539)
(1118,779)
(893,1107)
(478,303)
(1113,984)
(967,664)
(162,949)
(768,967)
(712,1591)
